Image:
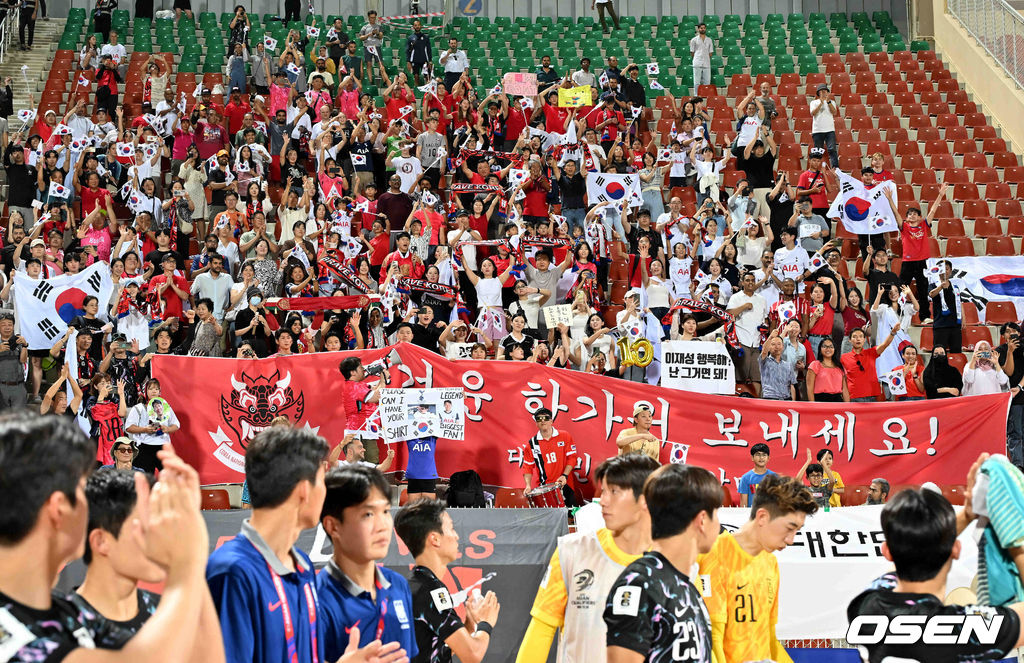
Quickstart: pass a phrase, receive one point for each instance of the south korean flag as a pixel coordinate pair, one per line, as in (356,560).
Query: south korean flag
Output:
(897,382)
(605,188)
(46,306)
(679,453)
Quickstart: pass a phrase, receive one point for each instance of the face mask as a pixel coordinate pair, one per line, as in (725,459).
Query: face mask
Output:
(942,359)
(254,301)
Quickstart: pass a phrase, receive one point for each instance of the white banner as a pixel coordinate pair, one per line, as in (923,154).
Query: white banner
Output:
(44,307)
(614,189)
(837,554)
(987,279)
(701,366)
(863,211)
(407,414)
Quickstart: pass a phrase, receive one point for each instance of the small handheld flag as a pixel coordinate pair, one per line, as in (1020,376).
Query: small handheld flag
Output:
(652,69)
(655,85)
(269,42)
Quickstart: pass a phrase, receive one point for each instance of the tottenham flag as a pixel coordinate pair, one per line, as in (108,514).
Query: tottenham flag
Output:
(44,307)
(615,189)
(863,211)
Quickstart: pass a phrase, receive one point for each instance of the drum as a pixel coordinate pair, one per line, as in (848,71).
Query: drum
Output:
(547,496)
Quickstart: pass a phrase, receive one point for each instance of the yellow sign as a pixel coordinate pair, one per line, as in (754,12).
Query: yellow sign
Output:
(574,97)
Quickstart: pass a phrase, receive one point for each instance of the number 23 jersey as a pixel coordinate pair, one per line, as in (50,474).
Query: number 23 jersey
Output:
(654,609)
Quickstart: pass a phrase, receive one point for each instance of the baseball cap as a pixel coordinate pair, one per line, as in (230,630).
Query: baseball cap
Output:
(235,89)
(641,408)
(37,242)
(222,153)
(206,90)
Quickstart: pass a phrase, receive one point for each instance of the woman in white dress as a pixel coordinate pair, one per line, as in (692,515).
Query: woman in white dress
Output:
(491,320)
(892,306)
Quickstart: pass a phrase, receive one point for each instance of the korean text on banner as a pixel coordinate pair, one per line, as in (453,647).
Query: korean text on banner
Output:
(907,442)
(518,84)
(558,314)
(574,97)
(701,366)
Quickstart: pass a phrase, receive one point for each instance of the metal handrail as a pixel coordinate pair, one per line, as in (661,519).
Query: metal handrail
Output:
(8,28)
(998,27)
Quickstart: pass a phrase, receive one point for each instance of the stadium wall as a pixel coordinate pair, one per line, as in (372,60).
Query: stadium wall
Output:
(993,90)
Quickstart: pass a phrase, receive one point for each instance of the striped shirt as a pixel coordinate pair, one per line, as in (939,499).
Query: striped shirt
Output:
(776,377)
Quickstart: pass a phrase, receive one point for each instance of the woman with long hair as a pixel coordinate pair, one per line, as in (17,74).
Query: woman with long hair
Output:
(826,380)
(488,296)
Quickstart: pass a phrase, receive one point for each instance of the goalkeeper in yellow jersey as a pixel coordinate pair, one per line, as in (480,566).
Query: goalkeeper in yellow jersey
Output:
(585,565)
(740,576)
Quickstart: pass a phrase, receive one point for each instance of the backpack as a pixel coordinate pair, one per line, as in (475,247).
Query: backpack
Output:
(466,489)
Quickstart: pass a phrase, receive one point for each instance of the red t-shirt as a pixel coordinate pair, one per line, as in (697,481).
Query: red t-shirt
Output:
(861,379)
(93,199)
(235,113)
(884,176)
(353,397)
(381,243)
(500,265)
(210,139)
(109,427)
(810,179)
(557,452)
(394,105)
(912,389)
(415,271)
(172,302)
(915,241)
(611,130)
(433,225)
(636,277)
(536,203)
(554,119)
(516,123)
(823,327)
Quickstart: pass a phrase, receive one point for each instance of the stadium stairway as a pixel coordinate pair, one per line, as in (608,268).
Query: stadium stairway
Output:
(47,35)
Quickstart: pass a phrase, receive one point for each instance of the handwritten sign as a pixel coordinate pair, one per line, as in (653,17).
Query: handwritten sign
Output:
(553,315)
(700,366)
(521,85)
(408,414)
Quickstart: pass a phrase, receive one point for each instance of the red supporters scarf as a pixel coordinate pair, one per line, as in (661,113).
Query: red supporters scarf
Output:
(439,289)
(691,306)
(343,273)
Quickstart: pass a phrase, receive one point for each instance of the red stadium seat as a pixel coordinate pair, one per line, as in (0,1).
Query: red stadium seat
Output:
(214,499)
(956,176)
(506,498)
(959,247)
(964,146)
(855,495)
(992,145)
(922,176)
(955,133)
(965,192)
(974,335)
(905,147)
(927,339)
(974,209)
(912,162)
(987,226)
(1013,174)
(975,120)
(1000,246)
(974,160)
(997,191)
(1007,208)
(955,493)
(983,132)
(951,228)
(941,162)
(1015,226)
(997,313)
(958,360)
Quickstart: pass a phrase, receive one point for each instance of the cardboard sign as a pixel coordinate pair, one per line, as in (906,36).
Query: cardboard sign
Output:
(553,315)
(520,85)
(408,414)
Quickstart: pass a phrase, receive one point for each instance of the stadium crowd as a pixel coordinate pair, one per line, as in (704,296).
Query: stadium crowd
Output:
(286,213)
(464,219)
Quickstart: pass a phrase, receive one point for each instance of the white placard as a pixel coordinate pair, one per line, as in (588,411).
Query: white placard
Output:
(561,313)
(408,414)
(701,366)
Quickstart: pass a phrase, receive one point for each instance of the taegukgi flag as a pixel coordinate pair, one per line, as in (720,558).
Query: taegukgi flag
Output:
(44,307)
(861,210)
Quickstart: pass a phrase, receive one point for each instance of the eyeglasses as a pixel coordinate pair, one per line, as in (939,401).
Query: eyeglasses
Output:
(860,366)
(542,418)
(123,450)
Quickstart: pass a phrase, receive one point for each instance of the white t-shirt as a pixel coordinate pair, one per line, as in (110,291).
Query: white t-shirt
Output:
(748,321)
(408,169)
(679,272)
(822,122)
(116,52)
(792,263)
(748,130)
(468,251)
(679,160)
(139,416)
(769,290)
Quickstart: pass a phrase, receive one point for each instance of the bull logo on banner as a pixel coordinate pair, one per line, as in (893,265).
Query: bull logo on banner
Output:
(249,408)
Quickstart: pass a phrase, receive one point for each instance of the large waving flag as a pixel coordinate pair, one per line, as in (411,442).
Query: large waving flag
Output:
(615,189)
(44,307)
(861,210)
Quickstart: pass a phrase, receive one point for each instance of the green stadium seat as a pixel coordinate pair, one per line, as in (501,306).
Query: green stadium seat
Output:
(760,67)
(784,65)
(710,19)
(896,45)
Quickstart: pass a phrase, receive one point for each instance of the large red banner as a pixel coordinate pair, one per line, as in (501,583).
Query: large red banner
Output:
(223,403)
